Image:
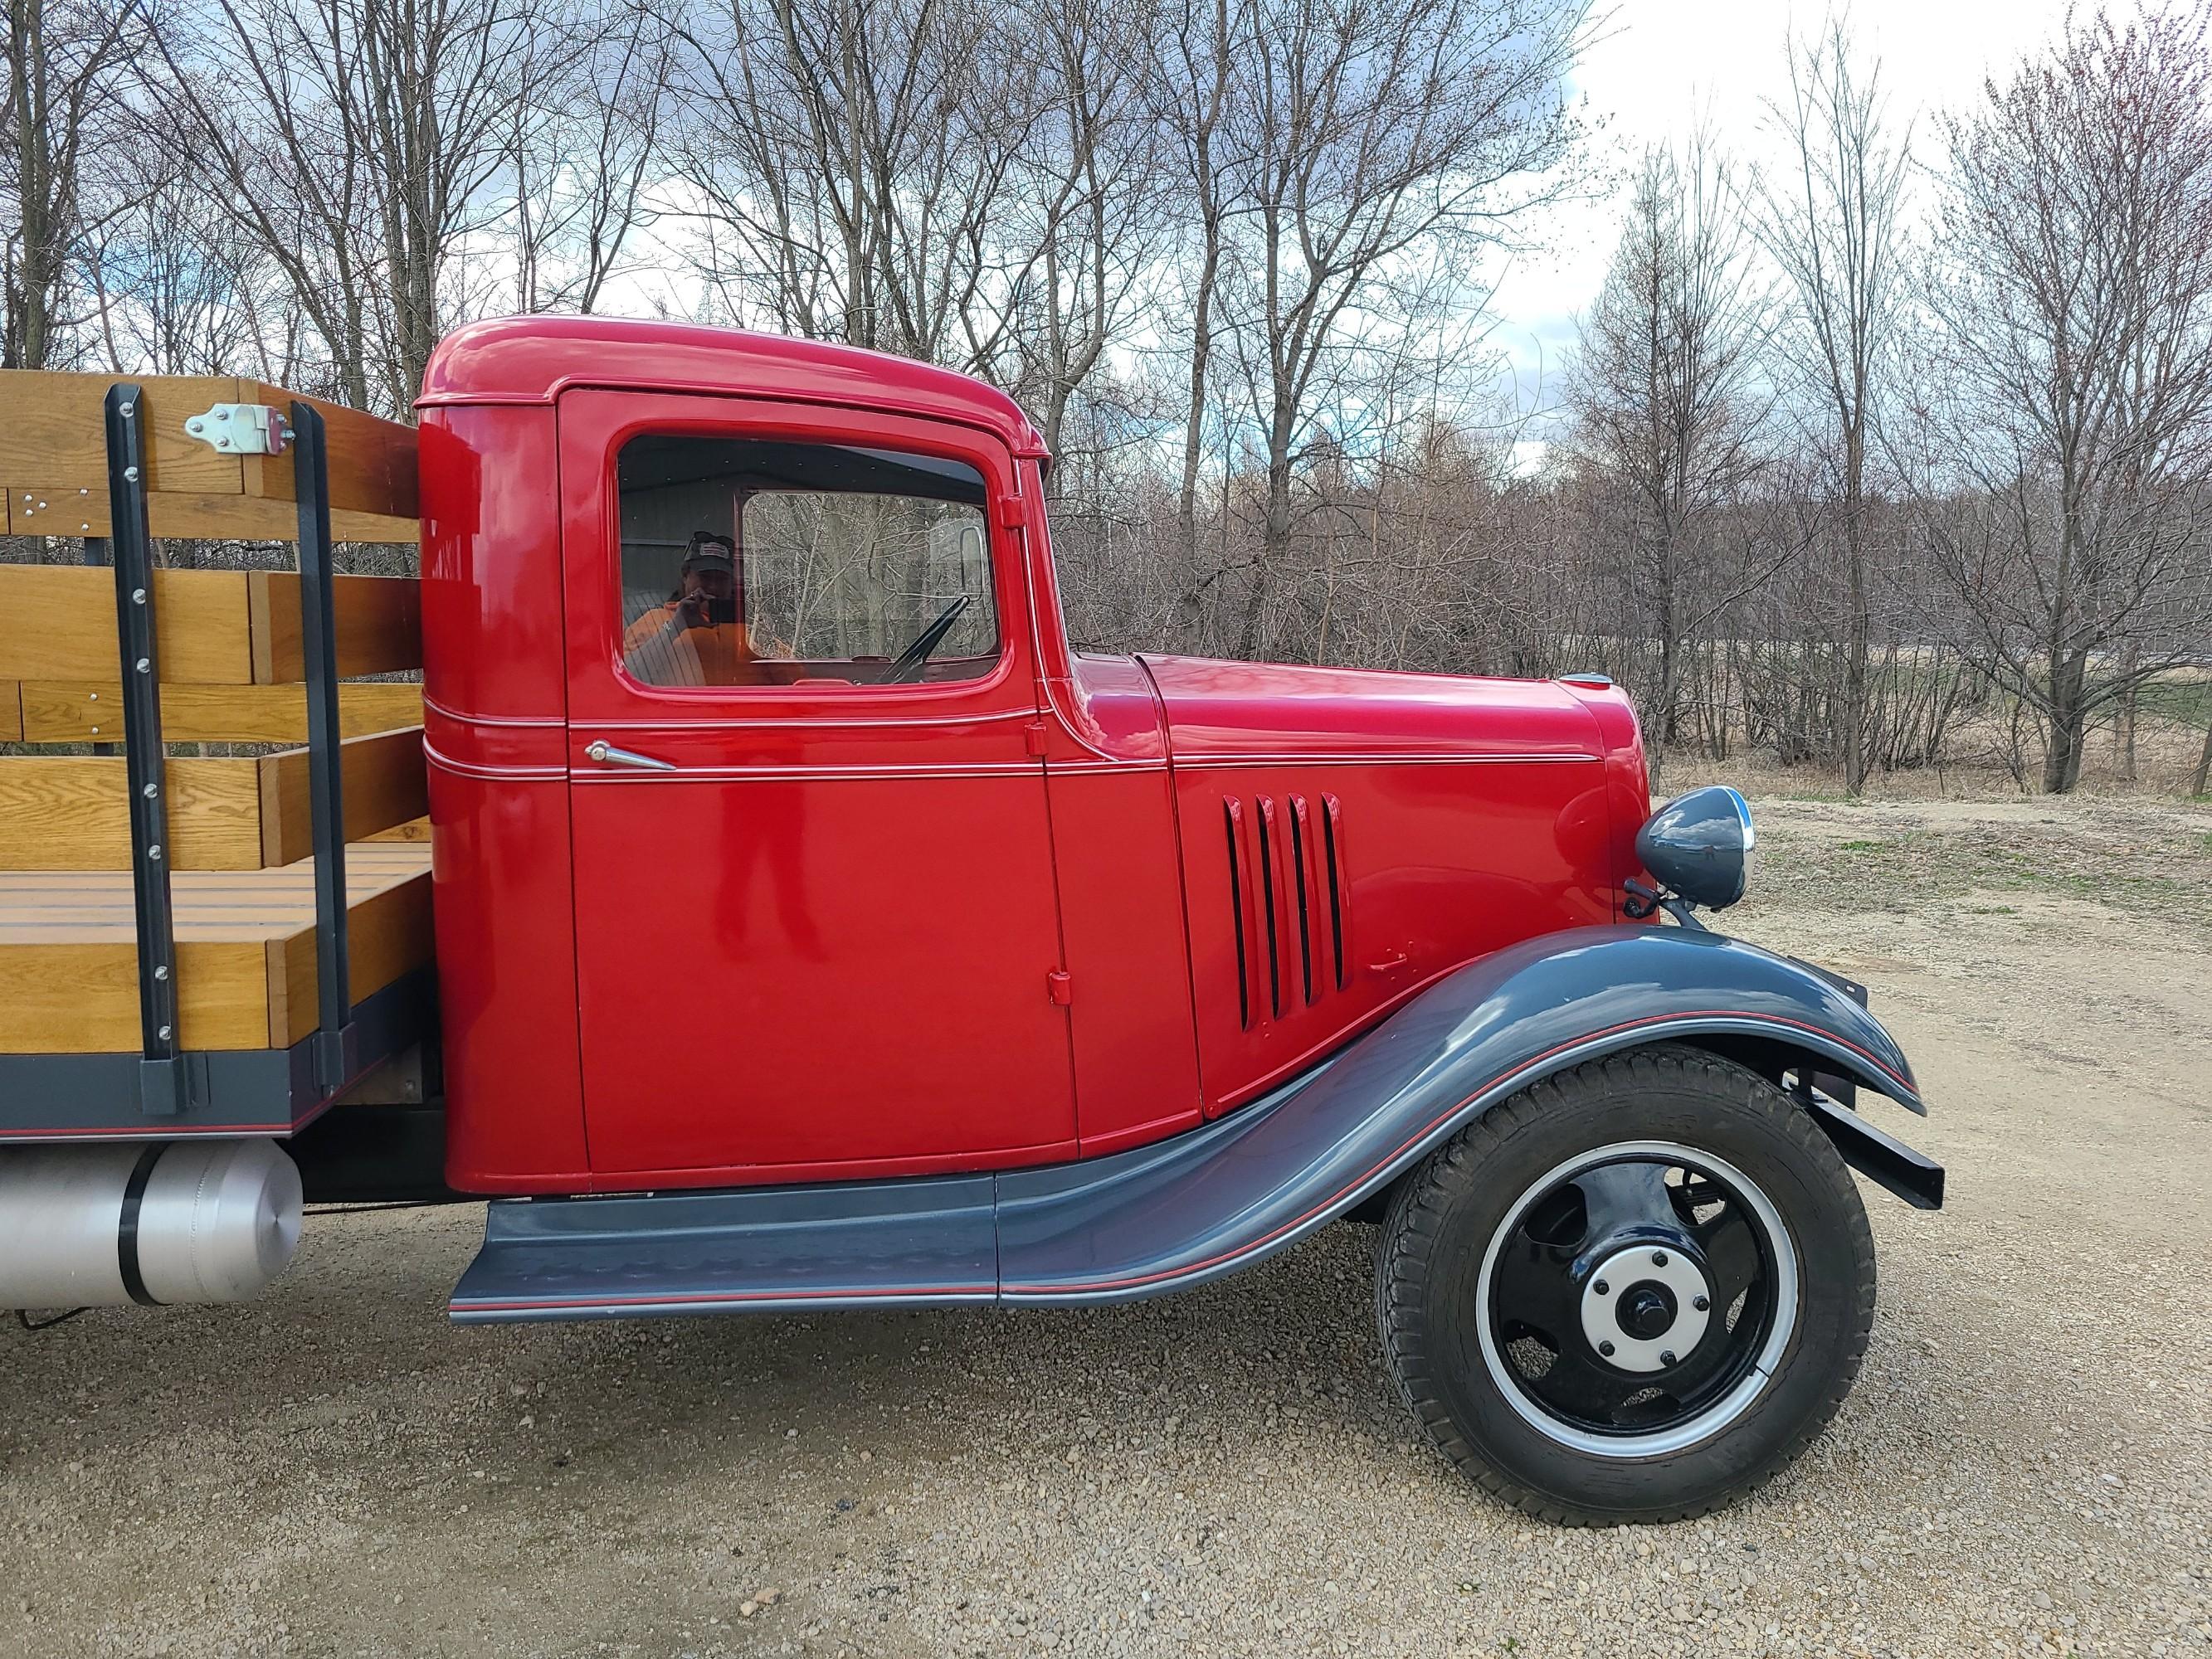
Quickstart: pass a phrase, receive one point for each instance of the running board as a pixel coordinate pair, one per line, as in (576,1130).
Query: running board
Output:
(764,1249)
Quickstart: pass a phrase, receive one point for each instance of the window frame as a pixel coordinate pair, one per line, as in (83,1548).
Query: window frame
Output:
(607,420)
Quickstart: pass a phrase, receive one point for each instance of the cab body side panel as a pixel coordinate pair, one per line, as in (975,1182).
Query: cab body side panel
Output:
(495,715)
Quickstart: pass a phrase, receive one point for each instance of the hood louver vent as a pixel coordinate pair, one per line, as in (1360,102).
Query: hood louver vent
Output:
(1289,902)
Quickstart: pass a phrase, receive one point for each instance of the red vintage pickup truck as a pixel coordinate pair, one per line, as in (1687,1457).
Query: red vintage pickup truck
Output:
(815,927)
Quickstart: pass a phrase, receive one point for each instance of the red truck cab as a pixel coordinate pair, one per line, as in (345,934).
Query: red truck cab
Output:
(803,918)
(814,928)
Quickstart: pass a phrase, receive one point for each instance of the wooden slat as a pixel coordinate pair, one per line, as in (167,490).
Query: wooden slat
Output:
(379,625)
(71,812)
(385,783)
(55,446)
(11,712)
(80,711)
(215,627)
(371,461)
(65,999)
(68,957)
(57,622)
(57,431)
(387,933)
(39,510)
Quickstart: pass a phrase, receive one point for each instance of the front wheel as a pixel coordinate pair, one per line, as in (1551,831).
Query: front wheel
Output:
(1630,1293)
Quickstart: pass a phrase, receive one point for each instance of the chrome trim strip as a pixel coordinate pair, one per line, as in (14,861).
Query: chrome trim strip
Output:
(824,773)
(469,769)
(435,707)
(810,722)
(1226,762)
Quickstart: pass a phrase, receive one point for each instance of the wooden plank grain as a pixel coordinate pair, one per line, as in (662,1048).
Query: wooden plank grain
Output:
(370,461)
(76,998)
(82,711)
(11,712)
(77,510)
(72,812)
(384,780)
(57,622)
(388,932)
(378,625)
(56,433)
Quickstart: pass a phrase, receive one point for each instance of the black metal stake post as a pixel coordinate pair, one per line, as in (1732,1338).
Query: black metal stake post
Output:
(160,1074)
(334,1041)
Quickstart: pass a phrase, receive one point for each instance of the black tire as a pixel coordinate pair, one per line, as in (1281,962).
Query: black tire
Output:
(1452,1213)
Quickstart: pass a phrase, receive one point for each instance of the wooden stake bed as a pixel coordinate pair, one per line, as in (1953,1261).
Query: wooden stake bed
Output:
(245,951)
(194,943)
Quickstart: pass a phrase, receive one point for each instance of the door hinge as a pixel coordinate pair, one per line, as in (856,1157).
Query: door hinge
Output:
(1061,986)
(1033,737)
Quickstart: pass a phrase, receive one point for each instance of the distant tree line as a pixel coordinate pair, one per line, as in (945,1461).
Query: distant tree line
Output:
(1895,455)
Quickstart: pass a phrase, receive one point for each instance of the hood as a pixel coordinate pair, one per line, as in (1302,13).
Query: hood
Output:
(1262,713)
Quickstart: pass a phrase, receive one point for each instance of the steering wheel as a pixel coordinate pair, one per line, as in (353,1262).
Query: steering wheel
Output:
(906,668)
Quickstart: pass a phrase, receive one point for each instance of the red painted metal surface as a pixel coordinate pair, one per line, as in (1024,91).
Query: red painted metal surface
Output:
(825,943)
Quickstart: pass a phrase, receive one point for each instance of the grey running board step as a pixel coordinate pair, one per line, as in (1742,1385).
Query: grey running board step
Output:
(881,1244)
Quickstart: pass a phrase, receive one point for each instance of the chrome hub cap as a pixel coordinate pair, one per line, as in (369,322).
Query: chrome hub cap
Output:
(1643,1309)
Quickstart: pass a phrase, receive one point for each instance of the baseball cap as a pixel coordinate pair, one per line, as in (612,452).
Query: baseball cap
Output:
(709,549)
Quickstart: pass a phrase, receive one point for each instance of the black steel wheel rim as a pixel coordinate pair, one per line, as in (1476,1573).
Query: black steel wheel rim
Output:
(1635,1296)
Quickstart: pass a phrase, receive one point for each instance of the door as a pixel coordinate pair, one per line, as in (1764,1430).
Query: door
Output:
(815,908)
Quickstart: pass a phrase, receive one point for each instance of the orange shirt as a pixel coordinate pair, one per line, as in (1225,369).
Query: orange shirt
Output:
(660,654)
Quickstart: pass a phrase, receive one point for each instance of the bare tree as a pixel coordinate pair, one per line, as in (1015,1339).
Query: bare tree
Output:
(1665,394)
(2063,452)
(357,142)
(1387,139)
(1832,224)
(67,66)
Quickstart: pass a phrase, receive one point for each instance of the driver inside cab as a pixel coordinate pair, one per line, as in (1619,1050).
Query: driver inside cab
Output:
(696,637)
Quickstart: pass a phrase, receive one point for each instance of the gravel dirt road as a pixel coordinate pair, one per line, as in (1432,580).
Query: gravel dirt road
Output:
(2026,1466)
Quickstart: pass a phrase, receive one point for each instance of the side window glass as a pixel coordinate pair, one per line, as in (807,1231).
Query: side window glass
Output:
(750,561)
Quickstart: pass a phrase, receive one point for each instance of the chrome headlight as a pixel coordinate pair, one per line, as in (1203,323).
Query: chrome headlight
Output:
(1699,845)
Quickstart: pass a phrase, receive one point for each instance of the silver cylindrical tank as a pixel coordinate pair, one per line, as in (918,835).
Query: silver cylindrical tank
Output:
(151,1222)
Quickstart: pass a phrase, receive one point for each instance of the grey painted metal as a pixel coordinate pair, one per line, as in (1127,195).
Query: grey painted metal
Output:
(230,1092)
(1220,1197)
(335,1040)
(180,1221)
(927,1240)
(161,1079)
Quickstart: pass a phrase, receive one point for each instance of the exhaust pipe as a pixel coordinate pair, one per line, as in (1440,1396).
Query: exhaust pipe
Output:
(150,1222)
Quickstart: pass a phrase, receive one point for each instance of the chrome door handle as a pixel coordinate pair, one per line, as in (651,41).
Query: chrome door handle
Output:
(608,754)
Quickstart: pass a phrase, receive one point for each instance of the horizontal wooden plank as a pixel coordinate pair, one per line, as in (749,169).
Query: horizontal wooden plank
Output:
(384,782)
(81,711)
(71,999)
(56,442)
(72,812)
(378,627)
(57,622)
(57,431)
(75,511)
(69,966)
(387,934)
(370,461)
(213,627)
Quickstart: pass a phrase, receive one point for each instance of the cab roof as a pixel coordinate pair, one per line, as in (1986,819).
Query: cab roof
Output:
(532,359)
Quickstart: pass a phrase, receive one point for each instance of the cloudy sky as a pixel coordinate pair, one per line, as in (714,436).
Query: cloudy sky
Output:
(1662,65)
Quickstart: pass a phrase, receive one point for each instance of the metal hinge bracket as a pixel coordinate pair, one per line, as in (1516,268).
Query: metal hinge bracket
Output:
(242,429)
(1060,987)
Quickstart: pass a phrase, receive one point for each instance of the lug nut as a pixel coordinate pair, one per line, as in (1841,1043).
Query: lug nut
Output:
(1601,1287)
(1666,1356)
(1701,1303)
(1658,1258)
(1606,1348)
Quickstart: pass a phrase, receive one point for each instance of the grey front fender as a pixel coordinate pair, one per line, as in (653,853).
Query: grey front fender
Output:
(1205,1204)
